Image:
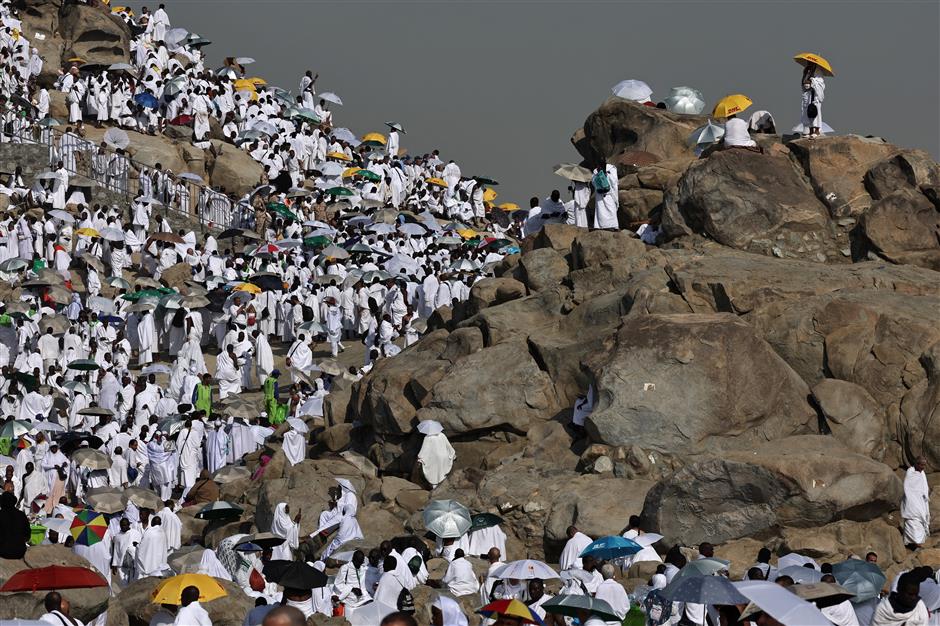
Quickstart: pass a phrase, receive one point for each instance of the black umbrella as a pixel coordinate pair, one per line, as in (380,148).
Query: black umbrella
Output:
(268,282)
(479,521)
(71,441)
(294,574)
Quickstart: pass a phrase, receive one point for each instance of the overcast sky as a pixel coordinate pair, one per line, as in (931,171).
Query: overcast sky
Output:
(499,85)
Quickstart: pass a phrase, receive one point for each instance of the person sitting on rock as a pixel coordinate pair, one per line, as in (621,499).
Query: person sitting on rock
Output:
(736,135)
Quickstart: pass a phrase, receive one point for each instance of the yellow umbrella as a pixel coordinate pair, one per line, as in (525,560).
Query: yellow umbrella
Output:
(257,80)
(440,182)
(509,206)
(379,137)
(88,232)
(244,84)
(170,590)
(76,60)
(729,105)
(248,288)
(337,155)
(467,233)
(805,58)
(127,10)
(352,171)
(489,195)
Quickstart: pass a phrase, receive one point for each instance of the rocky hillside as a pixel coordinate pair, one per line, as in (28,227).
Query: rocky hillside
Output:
(766,372)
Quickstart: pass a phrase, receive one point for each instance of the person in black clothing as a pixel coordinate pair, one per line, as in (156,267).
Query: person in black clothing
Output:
(15,527)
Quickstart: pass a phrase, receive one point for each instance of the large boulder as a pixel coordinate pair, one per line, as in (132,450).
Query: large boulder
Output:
(671,383)
(834,542)
(755,202)
(914,169)
(853,416)
(920,413)
(94,34)
(542,268)
(234,170)
(798,481)
(836,166)
(904,220)
(41,26)
(621,125)
(86,603)
(229,610)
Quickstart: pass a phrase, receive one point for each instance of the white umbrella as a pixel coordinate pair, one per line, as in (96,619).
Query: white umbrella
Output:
(708,134)
(196,178)
(111,234)
(120,67)
(335,251)
(800,574)
(116,138)
(331,168)
(344,134)
(632,89)
(61,215)
(329,96)
(156,368)
(526,569)
(795,558)
(430,427)
(100,304)
(175,35)
(685,100)
(412,228)
(779,603)
(345,484)
(298,424)
(381,229)
(368,614)
(244,60)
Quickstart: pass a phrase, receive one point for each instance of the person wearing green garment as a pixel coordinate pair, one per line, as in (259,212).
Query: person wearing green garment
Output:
(202,395)
(271,393)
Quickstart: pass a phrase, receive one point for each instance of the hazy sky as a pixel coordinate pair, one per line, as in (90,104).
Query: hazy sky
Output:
(500,85)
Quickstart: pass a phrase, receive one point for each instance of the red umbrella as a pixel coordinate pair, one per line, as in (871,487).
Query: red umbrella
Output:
(182,120)
(54,577)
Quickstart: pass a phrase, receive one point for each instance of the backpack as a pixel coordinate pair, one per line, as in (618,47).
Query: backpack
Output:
(308,313)
(600,182)
(658,608)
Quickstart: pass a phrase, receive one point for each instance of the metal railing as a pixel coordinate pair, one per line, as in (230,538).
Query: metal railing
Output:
(114,172)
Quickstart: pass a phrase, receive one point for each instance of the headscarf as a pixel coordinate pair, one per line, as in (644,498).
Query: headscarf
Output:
(450,611)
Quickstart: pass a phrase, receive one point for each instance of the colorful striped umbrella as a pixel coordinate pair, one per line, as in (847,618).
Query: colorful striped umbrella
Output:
(88,527)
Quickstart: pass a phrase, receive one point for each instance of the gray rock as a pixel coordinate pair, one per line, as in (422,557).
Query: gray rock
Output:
(853,416)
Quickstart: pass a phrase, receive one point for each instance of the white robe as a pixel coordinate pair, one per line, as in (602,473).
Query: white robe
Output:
(616,596)
(283,526)
(569,558)
(350,577)
(150,559)
(915,507)
(294,447)
(192,615)
(172,528)
(460,579)
(607,203)
(436,458)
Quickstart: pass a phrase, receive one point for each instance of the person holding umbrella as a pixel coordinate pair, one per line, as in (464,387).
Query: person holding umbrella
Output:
(16,533)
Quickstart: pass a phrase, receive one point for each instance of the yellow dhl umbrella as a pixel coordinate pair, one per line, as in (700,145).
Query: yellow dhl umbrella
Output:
(729,105)
(337,155)
(805,58)
(352,171)
(244,84)
(170,590)
(376,137)
(509,206)
(467,233)
(88,232)
(440,182)
(127,10)
(248,288)
(489,195)
(257,81)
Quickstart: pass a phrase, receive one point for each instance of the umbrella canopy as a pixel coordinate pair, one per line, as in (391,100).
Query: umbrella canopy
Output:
(368,614)
(92,459)
(447,518)
(805,58)
(147,100)
(170,590)
(703,590)
(116,138)
(88,527)
(611,547)
(484,520)
(58,323)
(13,265)
(14,429)
(430,427)
(52,578)
(396,126)
(335,252)
(62,216)
(264,540)
(778,602)
(329,96)
(571,605)
(862,578)
(143,498)
(795,558)
(374,138)
(512,608)
(85,365)
(731,105)
(708,134)
(685,100)
(526,569)
(703,567)
(219,510)
(570,171)
(106,500)
(823,594)
(801,574)
(632,89)
(294,574)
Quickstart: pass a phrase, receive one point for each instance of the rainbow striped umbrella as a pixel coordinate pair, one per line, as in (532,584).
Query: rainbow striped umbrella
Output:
(88,527)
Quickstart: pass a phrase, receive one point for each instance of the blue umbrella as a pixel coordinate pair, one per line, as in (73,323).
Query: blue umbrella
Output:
(612,547)
(146,100)
(862,578)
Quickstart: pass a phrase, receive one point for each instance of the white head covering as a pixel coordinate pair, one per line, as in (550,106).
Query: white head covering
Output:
(451,612)
(659,581)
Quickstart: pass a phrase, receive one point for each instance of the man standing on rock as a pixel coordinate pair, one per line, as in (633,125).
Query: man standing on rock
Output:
(915,507)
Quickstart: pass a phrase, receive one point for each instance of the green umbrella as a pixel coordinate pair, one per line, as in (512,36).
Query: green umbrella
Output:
(27,380)
(319,240)
(307,115)
(281,209)
(339,191)
(15,428)
(87,365)
(148,293)
(370,175)
(479,521)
